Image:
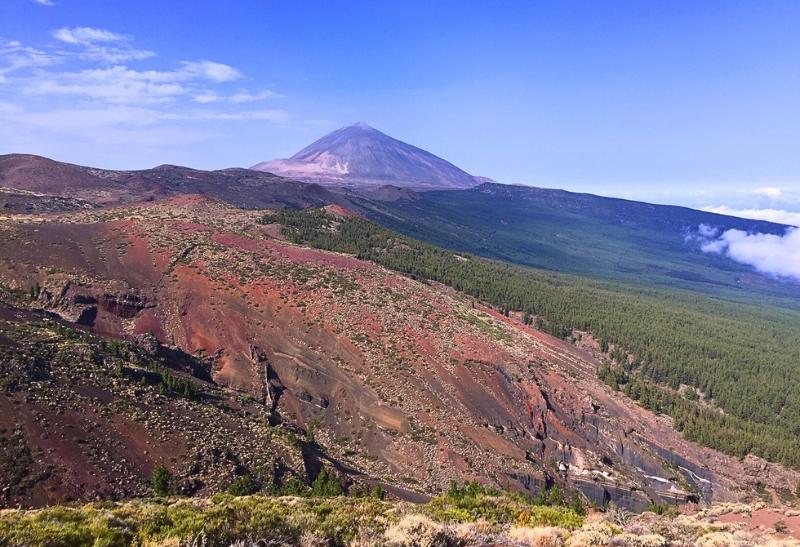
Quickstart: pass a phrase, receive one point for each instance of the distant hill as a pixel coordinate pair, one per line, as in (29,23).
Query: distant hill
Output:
(362,156)
(239,187)
(606,238)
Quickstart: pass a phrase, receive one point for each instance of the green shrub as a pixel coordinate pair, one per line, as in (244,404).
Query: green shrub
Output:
(551,496)
(161,480)
(225,519)
(664,509)
(243,486)
(473,501)
(578,505)
(326,485)
(367,492)
(293,487)
(549,516)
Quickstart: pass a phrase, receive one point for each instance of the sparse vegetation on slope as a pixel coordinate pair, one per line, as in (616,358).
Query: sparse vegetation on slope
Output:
(225,520)
(88,416)
(742,357)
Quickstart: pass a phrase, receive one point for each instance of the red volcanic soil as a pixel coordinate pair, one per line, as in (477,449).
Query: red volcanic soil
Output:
(765,520)
(340,210)
(302,255)
(402,378)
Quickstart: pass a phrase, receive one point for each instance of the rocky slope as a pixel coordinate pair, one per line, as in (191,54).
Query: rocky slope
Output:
(20,201)
(82,418)
(361,156)
(403,381)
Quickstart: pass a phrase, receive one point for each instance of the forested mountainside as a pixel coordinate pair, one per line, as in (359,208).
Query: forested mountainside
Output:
(739,360)
(604,238)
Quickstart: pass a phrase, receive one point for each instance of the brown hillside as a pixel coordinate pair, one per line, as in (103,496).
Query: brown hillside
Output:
(404,381)
(240,187)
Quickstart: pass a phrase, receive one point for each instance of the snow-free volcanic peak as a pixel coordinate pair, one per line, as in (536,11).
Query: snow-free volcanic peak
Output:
(361,156)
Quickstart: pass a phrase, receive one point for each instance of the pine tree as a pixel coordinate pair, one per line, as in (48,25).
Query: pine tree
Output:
(160,481)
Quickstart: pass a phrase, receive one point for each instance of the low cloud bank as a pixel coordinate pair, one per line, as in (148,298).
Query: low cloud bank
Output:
(777,255)
(772,215)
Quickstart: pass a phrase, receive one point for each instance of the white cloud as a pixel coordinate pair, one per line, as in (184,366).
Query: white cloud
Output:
(243,96)
(240,97)
(120,84)
(117,84)
(92,122)
(772,215)
(278,116)
(707,231)
(769,191)
(95,98)
(86,35)
(777,255)
(217,72)
(83,121)
(18,56)
(45,2)
(206,97)
(101,45)
(115,54)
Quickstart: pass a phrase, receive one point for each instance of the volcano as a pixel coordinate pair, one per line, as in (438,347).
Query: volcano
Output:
(362,156)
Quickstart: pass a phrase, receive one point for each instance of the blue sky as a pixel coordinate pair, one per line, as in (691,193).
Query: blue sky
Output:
(694,103)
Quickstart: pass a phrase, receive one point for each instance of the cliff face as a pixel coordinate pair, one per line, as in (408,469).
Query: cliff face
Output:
(405,382)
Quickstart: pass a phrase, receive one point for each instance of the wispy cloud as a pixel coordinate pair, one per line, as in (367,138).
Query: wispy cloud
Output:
(769,191)
(243,96)
(101,44)
(267,115)
(17,56)
(120,84)
(115,85)
(89,84)
(776,255)
(772,215)
(86,120)
(206,97)
(86,35)
(217,72)
(45,2)
(240,97)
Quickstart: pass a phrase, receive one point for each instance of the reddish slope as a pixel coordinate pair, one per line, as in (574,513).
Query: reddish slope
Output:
(82,420)
(407,381)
